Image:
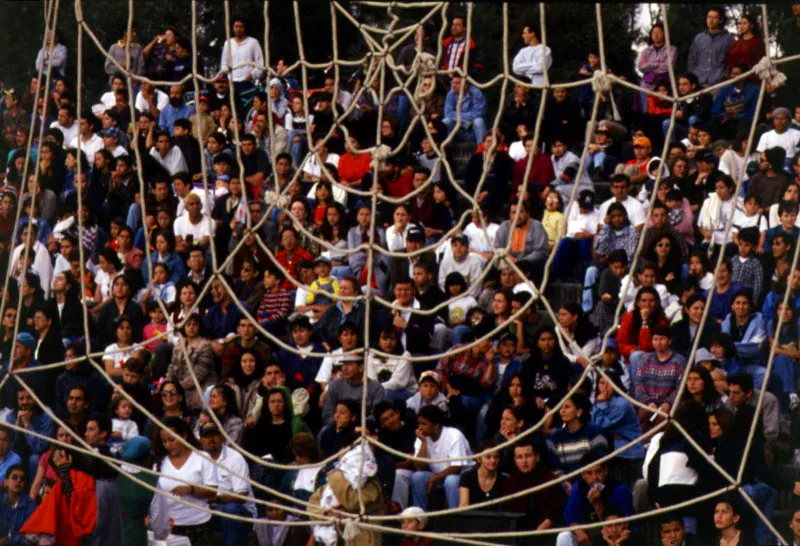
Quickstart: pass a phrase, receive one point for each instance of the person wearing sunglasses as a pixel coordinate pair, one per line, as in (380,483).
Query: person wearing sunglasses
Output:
(15,506)
(173,402)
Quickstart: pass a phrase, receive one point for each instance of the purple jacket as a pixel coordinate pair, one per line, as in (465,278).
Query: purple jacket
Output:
(654,64)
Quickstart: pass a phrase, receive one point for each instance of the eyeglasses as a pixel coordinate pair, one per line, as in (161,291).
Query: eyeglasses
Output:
(168,394)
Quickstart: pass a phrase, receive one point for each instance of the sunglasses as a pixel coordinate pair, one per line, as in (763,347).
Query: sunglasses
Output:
(168,394)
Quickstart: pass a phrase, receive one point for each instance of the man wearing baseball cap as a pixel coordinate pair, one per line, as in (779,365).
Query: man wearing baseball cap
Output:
(231,473)
(461,260)
(641,152)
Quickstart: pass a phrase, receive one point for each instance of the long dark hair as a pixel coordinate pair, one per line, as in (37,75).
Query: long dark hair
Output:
(691,415)
(536,353)
(674,256)
(655,318)
(238,375)
(178,388)
(790,327)
(231,407)
(709,396)
(326,229)
(181,428)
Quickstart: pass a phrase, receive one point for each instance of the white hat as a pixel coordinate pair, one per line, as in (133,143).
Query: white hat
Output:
(416,513)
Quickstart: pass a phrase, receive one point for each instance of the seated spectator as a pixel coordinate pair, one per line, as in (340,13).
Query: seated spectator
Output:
(724,292)
(544,508)
(729,524)
(15,506)
(748,332)
(437,441)
(429,393)
(395,373)
(687,328)
(399,434)
(528,239)
(484,482)
(589,499)
(540,174)
(341,432)
(8,458)
(635,332)
(657,379)
(700,387)
(414,521)
(222,401)
(276,424)
(471,117)
(178,461)
(616,416)
(515,395)
(548,367)
(568,445)
(29,416)
(464,262)
(350,386)
(786,353)
(770,180)
(742,393)
(673,532)
(194,351)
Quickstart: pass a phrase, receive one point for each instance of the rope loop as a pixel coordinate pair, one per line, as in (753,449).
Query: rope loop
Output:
(765,69)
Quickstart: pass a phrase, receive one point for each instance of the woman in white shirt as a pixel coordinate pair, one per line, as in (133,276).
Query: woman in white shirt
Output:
(186,473)
(397,232)
(117,353)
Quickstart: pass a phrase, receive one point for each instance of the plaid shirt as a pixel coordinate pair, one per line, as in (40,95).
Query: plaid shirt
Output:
(465,363)
(748,274)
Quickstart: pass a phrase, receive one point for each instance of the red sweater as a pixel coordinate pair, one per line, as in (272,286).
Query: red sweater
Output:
(625,336)
(401,186)
(290,263)
(353,167)
(541,174)
(747,52)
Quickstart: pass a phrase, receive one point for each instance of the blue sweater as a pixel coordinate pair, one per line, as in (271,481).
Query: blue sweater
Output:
(721,303)
(618,419)
(41,423)
(473,105)
(579,509)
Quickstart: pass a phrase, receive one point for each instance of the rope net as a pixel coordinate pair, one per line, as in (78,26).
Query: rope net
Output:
(378,271)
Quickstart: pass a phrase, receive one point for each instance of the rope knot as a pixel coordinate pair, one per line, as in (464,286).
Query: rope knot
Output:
(765,69)
(601,83)
(351,531)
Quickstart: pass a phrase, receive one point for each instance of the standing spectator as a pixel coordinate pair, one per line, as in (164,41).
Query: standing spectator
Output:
(245,53)
(119,52)
(532,60)
(138,502)
(470,111)
(708,54)
(655,60)
(749,48)
(52,54)
(455,48)
(437,441)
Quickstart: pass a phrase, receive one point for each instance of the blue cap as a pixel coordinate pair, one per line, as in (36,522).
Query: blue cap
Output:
(135,449)
(112,132)
(26,339)
(612,345)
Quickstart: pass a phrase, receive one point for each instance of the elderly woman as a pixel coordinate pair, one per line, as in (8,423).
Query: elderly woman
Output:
(195,351)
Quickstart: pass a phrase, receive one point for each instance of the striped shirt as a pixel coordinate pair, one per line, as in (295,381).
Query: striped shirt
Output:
(658,381)
(275,305)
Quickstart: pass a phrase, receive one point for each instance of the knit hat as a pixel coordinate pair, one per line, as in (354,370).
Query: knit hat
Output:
(781,111)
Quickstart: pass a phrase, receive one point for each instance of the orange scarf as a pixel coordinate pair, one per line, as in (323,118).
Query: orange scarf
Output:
(518,238)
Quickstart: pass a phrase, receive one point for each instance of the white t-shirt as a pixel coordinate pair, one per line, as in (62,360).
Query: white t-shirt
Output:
(636,212)
(578,221)
(451,443)
(126,427)
(478,242)
(459,308)
(183,228)
(70,133)
(90,148)
(313,168)
(162,99)
(109,99)
(741,221)
(196,471)
(789,140)
(230,481)
(118,355)
(173,162)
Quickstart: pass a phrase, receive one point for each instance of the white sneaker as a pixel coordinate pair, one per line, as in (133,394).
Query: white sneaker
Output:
(794,401)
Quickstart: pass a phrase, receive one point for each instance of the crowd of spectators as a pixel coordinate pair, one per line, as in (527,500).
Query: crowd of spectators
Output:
(244,212)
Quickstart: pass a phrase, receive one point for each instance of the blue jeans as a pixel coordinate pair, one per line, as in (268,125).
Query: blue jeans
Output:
(297,148)
(234,532)
(571,254)
(403,107)
(589,280)
(783,367)
(636,359)
(419,483)
(764,497)
(476,128)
